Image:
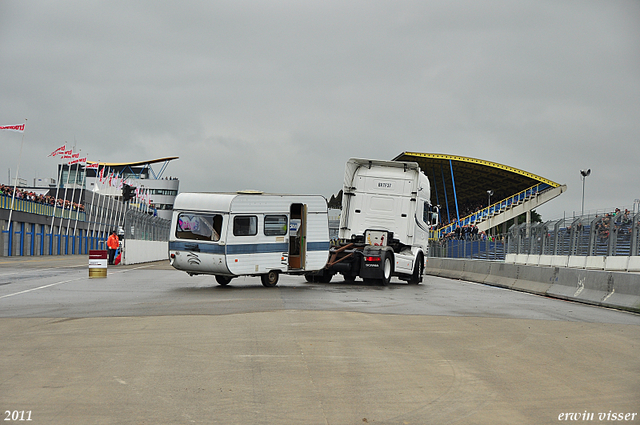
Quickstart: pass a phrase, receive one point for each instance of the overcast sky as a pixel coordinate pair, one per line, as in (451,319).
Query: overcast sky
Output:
(277,95)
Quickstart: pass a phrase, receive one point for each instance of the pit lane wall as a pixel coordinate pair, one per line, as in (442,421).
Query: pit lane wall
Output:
(616,289)
(139,251)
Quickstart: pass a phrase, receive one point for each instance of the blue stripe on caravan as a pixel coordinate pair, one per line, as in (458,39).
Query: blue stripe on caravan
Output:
(260,248)
(318,246)
(257,248)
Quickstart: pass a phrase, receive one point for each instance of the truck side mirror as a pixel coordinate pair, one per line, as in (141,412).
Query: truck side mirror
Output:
(434,215)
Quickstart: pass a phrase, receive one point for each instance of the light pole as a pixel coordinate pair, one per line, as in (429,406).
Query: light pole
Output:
(584,175)
(489,192)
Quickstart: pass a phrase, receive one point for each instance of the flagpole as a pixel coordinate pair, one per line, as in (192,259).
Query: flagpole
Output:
(107,213)
(15,181)
(64,200)
(99,211)
(73,194)
(111,214)
(99,214)
(103,213)
(120,207)
(55,199)
(93,192)
(84,178)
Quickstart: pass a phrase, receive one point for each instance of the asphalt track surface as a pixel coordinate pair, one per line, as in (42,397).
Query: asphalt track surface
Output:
(151,345)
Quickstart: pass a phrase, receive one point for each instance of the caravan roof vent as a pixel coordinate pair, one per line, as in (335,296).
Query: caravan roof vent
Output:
(250,192)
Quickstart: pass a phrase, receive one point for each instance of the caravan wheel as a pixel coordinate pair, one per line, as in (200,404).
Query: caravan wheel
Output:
(223,280)
(270,279)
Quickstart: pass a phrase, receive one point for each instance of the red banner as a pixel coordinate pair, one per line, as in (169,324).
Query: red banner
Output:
(78,161)
(18,127)
(58,151)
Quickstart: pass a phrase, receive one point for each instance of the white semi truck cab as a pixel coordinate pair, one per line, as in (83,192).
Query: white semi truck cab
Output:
(385,221)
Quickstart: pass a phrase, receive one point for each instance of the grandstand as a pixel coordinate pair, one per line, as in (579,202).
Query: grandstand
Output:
(461,185)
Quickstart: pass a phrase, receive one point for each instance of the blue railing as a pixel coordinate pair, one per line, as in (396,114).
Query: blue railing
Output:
(496,208)
(32,207)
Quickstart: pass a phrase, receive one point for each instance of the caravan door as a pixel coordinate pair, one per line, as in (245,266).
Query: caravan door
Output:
(298,236)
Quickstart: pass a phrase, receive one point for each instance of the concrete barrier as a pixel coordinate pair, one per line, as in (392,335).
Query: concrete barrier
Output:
(545,260)
(625,292)
(533,260)
(536,280)
(446,267)
(595,262)
(476,271)
(577,261)
(502,274)
(620,263)
(521,258)
(588,286)
(634,264)
(559,260)
(609,263)
(135,252)
(598,287)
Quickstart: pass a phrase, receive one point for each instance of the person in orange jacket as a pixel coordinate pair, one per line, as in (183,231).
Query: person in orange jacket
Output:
(113,243)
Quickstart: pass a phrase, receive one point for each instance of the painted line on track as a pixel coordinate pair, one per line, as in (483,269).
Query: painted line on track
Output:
(64,281)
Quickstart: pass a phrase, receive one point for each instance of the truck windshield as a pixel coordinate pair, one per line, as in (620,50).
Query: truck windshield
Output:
(204,227)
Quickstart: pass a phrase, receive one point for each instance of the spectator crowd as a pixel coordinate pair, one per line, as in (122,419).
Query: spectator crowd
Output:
(40,199)
(616,221)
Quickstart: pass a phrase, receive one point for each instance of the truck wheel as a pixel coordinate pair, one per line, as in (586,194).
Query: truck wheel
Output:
(349,278)
(270,279)
(223,280)
(418,269)
(387,270)
(326,276)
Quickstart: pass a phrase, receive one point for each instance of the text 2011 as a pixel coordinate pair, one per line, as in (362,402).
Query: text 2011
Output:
(17,415)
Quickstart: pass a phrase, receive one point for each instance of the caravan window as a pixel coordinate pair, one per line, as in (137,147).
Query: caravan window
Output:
(245,225)
(275,225)
(203,227)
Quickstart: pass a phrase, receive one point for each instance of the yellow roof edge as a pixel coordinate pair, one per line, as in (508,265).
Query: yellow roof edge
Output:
(481,162)
(120,164)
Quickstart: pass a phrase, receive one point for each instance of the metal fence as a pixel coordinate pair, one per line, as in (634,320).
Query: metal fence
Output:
(38,229)
(613,234)
(141,226)
(608,234)
(486,249)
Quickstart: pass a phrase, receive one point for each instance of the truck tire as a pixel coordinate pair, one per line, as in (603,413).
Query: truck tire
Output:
(387,270)
(223,280)
(270,279)
(348,278)
(326,276)
(418,269)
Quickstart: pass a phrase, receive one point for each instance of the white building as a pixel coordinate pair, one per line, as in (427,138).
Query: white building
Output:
(159,190)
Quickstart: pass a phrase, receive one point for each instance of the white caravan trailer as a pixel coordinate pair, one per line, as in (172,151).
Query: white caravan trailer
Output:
(249,233)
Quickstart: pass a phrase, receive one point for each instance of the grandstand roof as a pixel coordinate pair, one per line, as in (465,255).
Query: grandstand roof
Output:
(473,177)
(134,164)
